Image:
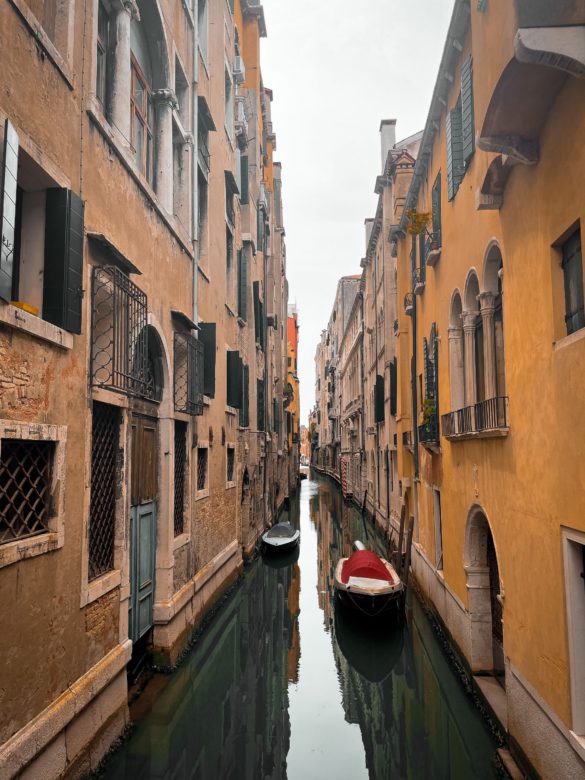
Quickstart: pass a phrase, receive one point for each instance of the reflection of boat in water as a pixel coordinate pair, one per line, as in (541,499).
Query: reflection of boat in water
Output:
(281,537)
(283,559)
(372,649)
(368,583)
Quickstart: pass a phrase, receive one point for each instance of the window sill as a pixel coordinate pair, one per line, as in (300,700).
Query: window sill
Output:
(492,433)
(578,744)
(180,541)
(231,410)
(34,326)
(200,494)
(102,585)
(123,151)
(242,323)
(566,341)
(43,40)
(20,550)
(229,485)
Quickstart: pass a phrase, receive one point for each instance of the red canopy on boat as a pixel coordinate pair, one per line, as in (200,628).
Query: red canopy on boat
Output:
(365,563)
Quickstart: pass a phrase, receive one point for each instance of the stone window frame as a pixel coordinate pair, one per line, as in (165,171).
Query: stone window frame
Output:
(574,592)
(230,445)
(60,51)
(54,538)
(204,493)
(91,590)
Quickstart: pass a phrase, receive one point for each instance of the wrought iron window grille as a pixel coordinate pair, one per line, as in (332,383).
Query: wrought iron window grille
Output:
(231,462)
(202,468)
(188,374)
(102,512)
(25,480)
(120,354)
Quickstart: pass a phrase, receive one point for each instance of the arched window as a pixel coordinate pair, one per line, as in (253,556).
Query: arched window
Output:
(472,341)
(493,324)
(456,353)
(141,101)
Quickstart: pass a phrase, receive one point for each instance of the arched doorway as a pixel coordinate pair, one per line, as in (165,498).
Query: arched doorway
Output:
(484,596)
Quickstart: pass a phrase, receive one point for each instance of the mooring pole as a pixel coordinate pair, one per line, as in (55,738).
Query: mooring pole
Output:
(408,548)
(398,556)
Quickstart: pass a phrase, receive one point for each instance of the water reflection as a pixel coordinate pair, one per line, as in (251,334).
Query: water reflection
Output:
(248,704)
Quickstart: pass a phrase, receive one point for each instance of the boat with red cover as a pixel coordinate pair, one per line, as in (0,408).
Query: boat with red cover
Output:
(368,583)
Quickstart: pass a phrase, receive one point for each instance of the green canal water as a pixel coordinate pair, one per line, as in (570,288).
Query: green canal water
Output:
(281,686)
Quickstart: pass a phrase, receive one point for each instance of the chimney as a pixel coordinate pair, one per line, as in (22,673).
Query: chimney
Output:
(387,138)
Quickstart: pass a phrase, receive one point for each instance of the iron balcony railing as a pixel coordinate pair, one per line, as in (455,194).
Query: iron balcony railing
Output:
(188,374)
(489,415)
(428,432)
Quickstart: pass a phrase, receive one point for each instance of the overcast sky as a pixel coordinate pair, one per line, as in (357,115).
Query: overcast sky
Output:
(337,67)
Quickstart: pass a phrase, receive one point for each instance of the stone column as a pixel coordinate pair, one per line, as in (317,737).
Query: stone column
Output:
(456,367)
(166,101)
(469,319)
(121,77)
(487,302)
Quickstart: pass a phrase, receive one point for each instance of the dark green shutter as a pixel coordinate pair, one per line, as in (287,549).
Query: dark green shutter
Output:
(207,336)
(256,296)
(422,254)
(63,274)
(436,204)
(244,184)
(234,379)
(259,229)
(245,398)
(243,284)
(379,399)
(393,387)
(454,150)
(467,118)
(8,211)
(260,410)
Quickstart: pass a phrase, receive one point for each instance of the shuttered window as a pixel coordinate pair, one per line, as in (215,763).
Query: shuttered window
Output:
(379,399)
(275,415)
(245,398)
(454,150)
(260,405)
(234,379)
(436,205)
(207,335)
(572,264)
(8,211)
(242,284)
(393,387)
(63,275)
(259,324)
(244,184)
(467,118)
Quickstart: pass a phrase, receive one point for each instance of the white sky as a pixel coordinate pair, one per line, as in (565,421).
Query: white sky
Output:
(337,67)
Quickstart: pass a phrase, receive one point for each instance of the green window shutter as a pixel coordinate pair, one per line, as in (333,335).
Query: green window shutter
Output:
(8,211)
(245,398)
(454,150)
(244,183)
(379,399)
(243,284)
(393,387)
(260,410)
(436,205)
(207,335)
(259,229)
(467,118)
(63,274)
(234,378)
(256,296)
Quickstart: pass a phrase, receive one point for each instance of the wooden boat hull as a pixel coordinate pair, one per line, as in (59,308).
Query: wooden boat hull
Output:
(281,538)
(270,546)
(370,597)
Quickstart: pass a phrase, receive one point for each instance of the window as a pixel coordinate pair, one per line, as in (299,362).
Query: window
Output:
(259,323)
(103,45)
(202,28)
(230,465)
(438,529)
(572,265)
(234,379)
(260,405)
(180,476)
(574,563)
(454,133)
(467,116)
(228,103)
(25,488)
(242,284)
(102,513)
(436,213)
(202,468)
(207,335)
(244,182)
(41,264)
(245,398)
(182,93)
(142,116)
(202,210)
(229,266)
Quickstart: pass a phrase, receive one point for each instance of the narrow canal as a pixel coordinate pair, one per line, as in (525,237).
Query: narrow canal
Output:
(281,686)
